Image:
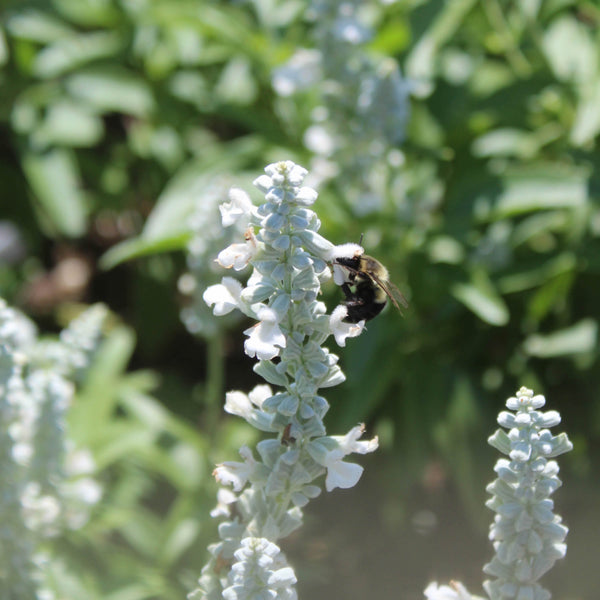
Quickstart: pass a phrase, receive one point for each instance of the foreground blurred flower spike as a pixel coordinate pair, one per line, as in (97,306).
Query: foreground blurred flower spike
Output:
(527,536)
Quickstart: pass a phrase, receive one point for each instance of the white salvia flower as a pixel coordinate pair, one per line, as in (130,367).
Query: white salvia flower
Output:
(265,338)
(342,330)
(350,442)
(330,452)
(40,511)
(225,296)
(339,473)
(455,591)
(242,405)
(237,256)
(239,205)
(225,497)
(234,473)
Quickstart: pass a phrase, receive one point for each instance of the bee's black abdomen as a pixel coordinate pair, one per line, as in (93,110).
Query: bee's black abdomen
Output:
(359,312)
(364,303)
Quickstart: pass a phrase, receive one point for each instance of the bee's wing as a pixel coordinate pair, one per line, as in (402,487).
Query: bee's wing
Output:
(392,292)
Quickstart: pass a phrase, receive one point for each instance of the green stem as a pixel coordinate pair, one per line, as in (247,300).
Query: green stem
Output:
(215,376)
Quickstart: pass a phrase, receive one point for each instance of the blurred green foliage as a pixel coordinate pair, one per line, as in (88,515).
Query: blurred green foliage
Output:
(491,229)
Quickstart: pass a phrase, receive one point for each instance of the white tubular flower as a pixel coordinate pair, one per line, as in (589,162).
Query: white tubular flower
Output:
(455,591)
(239,205)
(350,442)
(225,497)
(330,452)
(242,405)
(237,256)
(234,473)
(339,473)
(225,296)
(342,330)
(265,338)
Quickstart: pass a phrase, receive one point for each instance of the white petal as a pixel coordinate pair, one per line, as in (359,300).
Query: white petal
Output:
(342,330)
(343,475)
(236,255)
(264,341)
(306,196)
(239,205)
(233,473)
(259,394)
(263,183)
(237,403)
(225,295)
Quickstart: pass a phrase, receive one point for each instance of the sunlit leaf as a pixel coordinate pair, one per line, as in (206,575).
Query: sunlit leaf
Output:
(70,52)
(37,26)
(587,119)
(143,246)
(579,338)
(54,177)
(112,89)
(70,124)
(481,298)
(542,188)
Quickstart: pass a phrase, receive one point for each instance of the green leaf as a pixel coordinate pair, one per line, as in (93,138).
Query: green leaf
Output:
(506,142)
(54,178)
(481,298)
(3,48)
(570,50)
(236,84)
(577,339)
(37,26)
(587,118)
(112,89)
(69,124)
(70,52)
(89,13)
(541,188)
(143,246)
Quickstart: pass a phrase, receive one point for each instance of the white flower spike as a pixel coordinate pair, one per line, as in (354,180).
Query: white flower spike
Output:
(289,263)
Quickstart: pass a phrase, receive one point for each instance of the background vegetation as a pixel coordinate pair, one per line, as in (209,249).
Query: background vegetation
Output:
(123,120)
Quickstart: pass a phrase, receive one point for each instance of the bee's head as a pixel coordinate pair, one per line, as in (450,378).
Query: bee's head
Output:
(346,255)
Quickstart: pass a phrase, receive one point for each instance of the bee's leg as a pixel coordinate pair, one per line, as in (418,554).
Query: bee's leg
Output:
(351,298)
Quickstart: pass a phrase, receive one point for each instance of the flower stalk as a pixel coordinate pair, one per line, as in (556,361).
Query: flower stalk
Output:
(270,487)
(528,537)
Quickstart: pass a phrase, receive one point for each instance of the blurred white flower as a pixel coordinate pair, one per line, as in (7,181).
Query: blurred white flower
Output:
(300,72)
(239,205)
(455,591)
(224,296)
(225,497)
(235,473)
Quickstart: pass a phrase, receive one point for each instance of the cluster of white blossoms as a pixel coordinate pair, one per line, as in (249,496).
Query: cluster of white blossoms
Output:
(289,261)
(528,537)
(47,483)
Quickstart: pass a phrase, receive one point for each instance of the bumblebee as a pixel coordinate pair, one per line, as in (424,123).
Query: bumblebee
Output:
(365,283)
